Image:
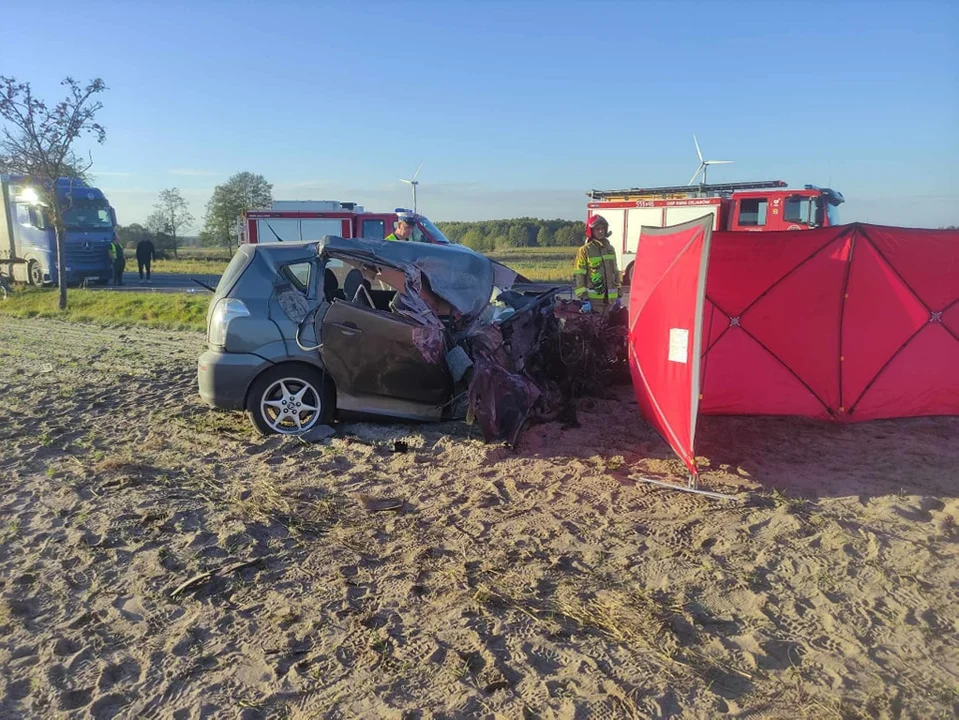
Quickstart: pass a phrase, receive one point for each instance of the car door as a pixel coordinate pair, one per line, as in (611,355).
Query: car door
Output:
(371,352)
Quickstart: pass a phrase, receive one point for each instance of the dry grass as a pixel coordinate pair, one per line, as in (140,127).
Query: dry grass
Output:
(263,501)
(632,619)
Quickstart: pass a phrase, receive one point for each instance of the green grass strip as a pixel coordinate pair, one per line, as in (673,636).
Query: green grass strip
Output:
(169,311)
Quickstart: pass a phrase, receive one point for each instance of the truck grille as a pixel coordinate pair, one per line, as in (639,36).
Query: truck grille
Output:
(94,255)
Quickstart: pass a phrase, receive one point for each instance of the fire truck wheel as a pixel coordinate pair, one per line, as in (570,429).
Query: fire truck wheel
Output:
(34,274)
(628,276)
(290,399)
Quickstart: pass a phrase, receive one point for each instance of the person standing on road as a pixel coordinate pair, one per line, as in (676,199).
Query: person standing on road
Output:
(146,254)
(405,223)
(596,278)
(119,262)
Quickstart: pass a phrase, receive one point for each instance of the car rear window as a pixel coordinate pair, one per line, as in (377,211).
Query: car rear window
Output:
(234,270)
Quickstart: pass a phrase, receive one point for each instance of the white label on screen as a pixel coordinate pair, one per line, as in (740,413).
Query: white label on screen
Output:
(678,345)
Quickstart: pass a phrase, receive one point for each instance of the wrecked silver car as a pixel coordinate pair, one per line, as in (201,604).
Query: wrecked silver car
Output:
(301,333)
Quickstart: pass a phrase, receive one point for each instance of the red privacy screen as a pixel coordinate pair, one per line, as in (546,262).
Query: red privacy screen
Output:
(665,326)
(850,323)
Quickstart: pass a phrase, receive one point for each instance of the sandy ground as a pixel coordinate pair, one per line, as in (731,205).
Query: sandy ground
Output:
(455,579)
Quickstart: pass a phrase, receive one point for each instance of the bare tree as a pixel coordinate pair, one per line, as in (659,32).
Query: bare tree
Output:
(37,142)
(172,214)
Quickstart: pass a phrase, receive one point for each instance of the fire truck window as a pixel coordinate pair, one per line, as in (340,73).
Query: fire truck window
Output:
(819,212)
(798,210)
(316,228)
(832,212)
(278,230)
(752,211)
(374,229)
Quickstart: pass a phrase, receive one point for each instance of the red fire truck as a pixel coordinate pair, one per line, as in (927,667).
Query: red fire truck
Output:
(294,220)
(737,207)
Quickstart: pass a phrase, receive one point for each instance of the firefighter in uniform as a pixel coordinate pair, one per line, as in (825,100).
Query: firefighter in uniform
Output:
(595,276)
(119,262)
(405,223)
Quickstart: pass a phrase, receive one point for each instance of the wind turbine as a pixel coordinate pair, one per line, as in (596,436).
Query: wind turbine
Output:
(413,183)
(704,164)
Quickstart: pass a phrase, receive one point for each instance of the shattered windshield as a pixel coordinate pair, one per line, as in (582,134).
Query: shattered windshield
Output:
(434,231)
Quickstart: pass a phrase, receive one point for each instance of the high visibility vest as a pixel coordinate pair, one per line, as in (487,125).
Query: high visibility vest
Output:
(595,275)
(116,251)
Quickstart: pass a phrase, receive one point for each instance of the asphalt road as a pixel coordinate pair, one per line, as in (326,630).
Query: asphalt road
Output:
(162,282)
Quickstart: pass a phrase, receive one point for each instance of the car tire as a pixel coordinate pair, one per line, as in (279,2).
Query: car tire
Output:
(280,399)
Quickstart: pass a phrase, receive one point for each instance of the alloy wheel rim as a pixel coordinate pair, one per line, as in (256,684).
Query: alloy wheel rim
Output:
(290,405)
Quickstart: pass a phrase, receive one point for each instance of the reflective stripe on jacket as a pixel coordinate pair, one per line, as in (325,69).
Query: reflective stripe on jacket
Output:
(595,276)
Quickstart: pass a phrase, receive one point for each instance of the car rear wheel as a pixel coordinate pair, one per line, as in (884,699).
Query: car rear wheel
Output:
(290,399)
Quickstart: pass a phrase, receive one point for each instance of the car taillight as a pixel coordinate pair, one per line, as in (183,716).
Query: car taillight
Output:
(226,310)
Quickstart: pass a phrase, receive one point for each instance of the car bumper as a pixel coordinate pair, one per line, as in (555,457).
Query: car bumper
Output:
(224,378)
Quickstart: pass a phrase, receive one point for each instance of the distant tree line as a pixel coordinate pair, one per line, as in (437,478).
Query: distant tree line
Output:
(489,235)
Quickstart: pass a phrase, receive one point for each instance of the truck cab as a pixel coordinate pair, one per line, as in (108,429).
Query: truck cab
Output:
(765,211)
(28,244)
(761,206)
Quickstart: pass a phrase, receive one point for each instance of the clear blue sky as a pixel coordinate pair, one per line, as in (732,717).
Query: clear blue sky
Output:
(515,108)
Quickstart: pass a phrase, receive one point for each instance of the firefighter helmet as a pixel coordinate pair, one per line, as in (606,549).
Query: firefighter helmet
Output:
(593,222)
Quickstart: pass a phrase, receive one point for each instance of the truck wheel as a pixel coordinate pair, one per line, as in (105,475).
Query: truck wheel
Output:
(34,273)
(628,275)
(290,399)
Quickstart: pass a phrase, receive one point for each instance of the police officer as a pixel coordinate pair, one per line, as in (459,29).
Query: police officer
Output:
(119,262)
(405,222)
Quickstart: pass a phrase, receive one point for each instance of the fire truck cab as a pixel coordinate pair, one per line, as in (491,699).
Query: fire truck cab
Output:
(735,207)
(311,220)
